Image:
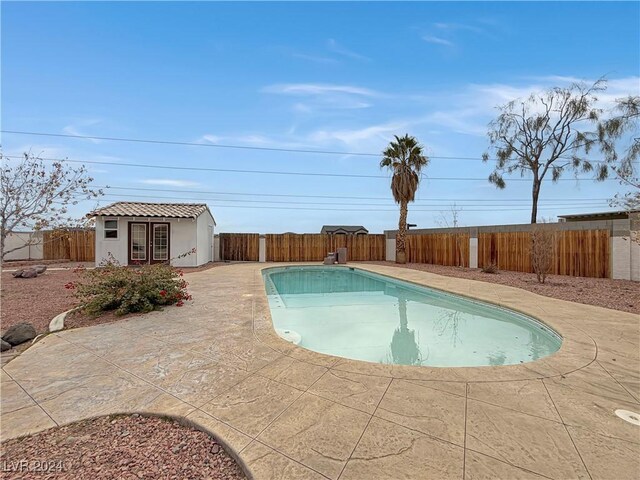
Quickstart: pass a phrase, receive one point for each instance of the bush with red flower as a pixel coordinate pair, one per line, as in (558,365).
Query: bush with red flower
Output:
(112,287)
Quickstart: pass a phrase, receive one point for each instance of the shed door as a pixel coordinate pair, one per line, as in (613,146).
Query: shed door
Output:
(159,242)
(148,243)
(138,243)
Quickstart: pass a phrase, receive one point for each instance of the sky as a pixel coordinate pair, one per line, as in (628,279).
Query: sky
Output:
(336,77)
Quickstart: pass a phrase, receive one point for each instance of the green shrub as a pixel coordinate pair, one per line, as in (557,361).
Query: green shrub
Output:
(128,290)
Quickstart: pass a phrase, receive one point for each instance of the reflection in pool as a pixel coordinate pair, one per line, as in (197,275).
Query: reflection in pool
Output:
(364,316)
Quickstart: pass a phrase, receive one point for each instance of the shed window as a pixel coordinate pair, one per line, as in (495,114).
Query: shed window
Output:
(111,229)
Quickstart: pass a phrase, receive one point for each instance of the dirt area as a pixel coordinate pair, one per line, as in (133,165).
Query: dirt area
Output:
(603,292)
(77,319)
(35,300)
(123,447)
(14,264)
(38,300)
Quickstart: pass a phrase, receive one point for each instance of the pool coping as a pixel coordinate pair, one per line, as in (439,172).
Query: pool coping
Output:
(578,349)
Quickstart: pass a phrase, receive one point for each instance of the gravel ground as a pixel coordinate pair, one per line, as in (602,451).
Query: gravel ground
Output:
(35,300)
(38,300)
(603,292)
(12,264)
(123,447)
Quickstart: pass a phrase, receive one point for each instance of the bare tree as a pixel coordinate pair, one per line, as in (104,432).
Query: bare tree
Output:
(34,195)
(450,219)
(543,238)
(631,199)
(619,140)
(621,128)
(546,134)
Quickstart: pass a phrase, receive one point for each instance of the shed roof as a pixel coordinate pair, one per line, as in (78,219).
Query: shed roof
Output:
(344,228)
(143,209)
(600,215)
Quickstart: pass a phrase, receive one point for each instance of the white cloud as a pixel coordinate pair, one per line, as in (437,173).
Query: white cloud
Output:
(210,138)
(74,129)
(345,52)
(255,140)
(360,138)
(437,40)
(448,34)
(334,53)
(39,150)
(444,26)
(499,94)
(301,108)
(469,109)
(318,89)
(461,110)
(169,182)
(464,121)
(315,58)
(323,96)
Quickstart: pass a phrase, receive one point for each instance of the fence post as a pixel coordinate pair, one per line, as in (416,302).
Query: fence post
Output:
(216,248)
(473,247)
(621,249)
(390,253)
(262,249)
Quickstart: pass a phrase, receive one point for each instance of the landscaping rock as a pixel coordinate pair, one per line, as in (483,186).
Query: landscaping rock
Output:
(40,269)
(18,273)
(19,333)
(98,450)
(29,273)
(5,346)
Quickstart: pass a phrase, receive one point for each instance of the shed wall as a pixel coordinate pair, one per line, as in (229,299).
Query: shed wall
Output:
(183,237)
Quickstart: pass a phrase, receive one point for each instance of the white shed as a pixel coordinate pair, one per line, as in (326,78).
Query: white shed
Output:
(136,233)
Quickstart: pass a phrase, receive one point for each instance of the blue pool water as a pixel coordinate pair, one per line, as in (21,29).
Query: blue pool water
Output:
(364,316)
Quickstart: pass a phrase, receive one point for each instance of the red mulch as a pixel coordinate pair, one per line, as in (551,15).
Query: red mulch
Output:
(621,295)
(123,447)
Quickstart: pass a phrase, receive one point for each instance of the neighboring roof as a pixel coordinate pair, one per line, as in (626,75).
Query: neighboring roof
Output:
(599,215)
(141,209)
(343,228)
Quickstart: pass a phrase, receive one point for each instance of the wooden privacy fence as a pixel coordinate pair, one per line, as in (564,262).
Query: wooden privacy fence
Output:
(451,249)
(581,253)
(75,245)
(313,247)
(240,246)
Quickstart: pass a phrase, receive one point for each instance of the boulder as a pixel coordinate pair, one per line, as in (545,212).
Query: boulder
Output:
(18,273)
(29,273)
(19,333)
(5,346)
(40,269)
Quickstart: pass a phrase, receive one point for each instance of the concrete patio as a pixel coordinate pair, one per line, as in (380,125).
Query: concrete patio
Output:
(289,413)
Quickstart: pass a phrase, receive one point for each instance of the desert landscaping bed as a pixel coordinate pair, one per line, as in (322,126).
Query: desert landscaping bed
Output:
(35,300)
(123,447)
(38,300)
(14,264)
(621,295)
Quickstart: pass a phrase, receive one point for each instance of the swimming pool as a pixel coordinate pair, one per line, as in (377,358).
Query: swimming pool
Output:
(361,315)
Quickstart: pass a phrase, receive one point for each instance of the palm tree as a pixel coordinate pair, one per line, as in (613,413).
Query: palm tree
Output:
(405,159)
(404,347)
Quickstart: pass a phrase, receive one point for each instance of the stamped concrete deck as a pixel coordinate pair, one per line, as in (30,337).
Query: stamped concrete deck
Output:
(289,413)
